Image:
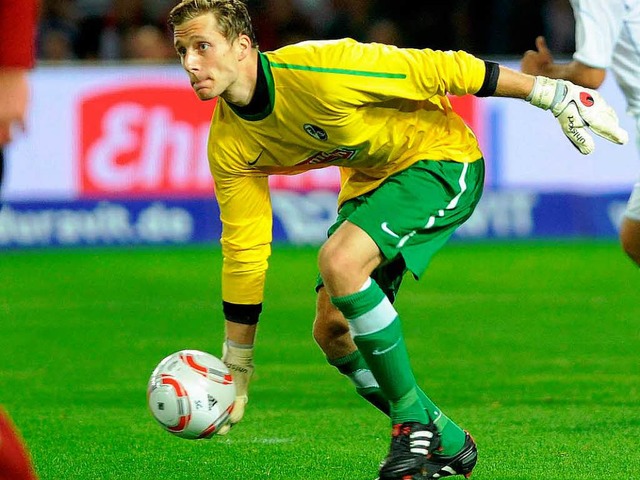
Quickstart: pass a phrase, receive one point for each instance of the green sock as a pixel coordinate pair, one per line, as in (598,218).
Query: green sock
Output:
(378,335)
(452,437)
(356,369)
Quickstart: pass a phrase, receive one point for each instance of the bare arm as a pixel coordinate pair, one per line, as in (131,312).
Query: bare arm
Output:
(540,62)
(514,84)
(18,26)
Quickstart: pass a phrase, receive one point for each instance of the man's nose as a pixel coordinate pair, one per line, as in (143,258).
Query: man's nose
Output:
(190,62)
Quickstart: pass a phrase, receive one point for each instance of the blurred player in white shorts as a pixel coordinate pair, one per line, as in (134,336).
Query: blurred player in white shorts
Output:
(607,37)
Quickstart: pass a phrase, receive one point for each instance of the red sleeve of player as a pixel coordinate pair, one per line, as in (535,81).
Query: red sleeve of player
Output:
(15,463)
(18,19)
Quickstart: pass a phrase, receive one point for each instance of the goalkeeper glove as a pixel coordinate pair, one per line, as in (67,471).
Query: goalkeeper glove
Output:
(240,363)
(578,109)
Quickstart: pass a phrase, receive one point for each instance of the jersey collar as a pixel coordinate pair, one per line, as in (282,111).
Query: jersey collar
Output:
(263,100)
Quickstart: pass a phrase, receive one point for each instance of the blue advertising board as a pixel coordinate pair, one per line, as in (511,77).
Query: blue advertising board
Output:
(299,218)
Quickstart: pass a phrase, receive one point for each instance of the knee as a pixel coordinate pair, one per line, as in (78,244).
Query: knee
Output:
(333,262)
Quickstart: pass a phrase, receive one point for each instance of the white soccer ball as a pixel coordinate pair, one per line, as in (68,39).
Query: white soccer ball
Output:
(191,394)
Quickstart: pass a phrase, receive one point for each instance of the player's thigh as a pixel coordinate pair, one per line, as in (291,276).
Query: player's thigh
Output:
(630,228)
(350,247)
(633,205)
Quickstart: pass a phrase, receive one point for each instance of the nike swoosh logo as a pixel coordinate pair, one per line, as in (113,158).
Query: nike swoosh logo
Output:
(251,164)
(385,227)
(388,349)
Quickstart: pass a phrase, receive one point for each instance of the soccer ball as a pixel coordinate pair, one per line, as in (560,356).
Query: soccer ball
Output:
(191,394)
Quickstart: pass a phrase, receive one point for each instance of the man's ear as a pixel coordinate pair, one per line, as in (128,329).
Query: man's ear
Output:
(244,46)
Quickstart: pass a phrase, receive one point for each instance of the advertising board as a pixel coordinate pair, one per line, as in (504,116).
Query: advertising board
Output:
(117,155)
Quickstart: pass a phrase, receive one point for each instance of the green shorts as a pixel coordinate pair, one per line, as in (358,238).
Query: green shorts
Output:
(413,214)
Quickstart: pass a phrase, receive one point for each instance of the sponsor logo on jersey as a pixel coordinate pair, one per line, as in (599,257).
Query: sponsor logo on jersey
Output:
(315,131)
(340,153)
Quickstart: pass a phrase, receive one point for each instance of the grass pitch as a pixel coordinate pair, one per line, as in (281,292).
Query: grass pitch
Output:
(533,347)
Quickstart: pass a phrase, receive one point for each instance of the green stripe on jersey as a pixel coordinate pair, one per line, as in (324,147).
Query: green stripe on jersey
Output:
(339,71)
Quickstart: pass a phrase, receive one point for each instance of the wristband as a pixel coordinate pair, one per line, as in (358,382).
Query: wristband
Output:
(243,314)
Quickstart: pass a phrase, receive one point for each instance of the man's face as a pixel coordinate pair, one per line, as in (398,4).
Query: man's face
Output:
(208,58)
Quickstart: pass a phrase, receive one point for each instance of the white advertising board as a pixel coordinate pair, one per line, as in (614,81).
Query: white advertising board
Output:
(139,131)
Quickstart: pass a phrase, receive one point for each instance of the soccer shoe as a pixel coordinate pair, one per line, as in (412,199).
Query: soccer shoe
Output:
(461,463)
(412,443)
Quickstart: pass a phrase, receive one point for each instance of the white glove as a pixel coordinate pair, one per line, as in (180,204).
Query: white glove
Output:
(578,109)
(240,363)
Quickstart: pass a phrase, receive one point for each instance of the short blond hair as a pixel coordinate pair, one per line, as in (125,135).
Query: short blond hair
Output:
(232,16)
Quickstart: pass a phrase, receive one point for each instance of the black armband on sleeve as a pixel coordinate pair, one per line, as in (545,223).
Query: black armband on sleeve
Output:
(244,314)
(490,82)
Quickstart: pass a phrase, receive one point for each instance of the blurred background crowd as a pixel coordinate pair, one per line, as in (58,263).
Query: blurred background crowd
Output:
(136,29)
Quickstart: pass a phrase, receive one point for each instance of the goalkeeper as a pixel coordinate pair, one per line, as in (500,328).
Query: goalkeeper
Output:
(412,172)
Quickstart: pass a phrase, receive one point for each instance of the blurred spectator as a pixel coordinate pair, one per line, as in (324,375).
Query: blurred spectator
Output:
(349,18)
(385,31)
(57,30)
(106,29)
(501,27)
(280,22)
(157,11)
(317,11)
(55,45)
(92,18)
(559,26)
(93,8)
(105,26)
(148,43)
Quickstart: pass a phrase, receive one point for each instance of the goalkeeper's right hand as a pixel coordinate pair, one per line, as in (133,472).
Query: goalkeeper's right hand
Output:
(239,360)
(579,110)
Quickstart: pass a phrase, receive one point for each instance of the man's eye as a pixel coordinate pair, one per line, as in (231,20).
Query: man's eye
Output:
(203,46)
(181,51)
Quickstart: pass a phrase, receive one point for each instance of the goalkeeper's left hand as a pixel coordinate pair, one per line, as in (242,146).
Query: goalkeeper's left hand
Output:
(578,109)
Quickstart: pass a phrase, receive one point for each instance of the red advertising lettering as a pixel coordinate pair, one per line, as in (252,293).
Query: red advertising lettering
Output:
(144,141)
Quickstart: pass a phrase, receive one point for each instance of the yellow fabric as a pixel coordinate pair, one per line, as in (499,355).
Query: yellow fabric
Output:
(379,109)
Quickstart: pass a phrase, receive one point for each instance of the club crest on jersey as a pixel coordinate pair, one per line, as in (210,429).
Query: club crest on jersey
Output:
(315,131)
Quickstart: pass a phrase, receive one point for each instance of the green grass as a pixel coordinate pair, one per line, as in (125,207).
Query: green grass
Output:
(533,347)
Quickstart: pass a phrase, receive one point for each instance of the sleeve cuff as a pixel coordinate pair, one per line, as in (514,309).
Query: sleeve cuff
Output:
(244,314)
(490,83)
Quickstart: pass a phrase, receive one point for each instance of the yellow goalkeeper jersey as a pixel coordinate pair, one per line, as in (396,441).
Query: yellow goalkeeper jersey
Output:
(370,109)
